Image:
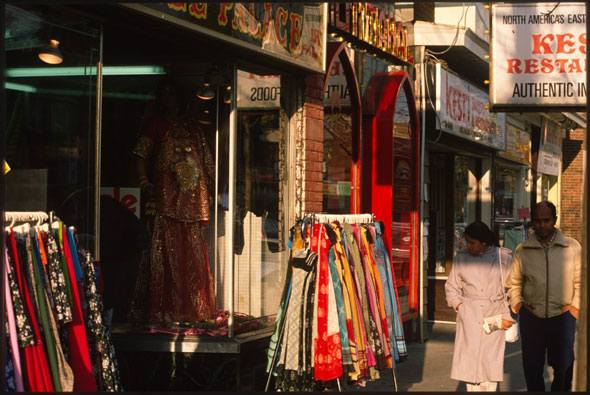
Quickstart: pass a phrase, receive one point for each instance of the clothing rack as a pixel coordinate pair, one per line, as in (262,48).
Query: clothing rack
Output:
(11,217)
(328,218)
(343,218)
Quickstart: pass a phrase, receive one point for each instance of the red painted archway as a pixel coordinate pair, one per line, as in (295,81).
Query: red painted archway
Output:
(390,174)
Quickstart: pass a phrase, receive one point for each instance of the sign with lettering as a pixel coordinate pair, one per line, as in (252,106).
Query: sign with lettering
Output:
(518,145)
(128,197)
(336,95)
(550,151)
(372,27)
(258,91)
(461,108)
(538,56)
(292,31)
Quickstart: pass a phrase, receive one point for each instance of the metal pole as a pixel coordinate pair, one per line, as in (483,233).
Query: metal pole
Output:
(3,348)
(585,197)
(421,208)
(98,150)
(232,205)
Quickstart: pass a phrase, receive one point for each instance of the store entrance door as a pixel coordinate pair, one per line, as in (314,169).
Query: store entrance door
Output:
(390,176)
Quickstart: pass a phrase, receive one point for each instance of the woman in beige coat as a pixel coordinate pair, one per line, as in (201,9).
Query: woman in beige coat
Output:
(475,290)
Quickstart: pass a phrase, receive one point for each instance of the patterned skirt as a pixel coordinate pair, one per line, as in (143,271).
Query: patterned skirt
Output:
(181,286)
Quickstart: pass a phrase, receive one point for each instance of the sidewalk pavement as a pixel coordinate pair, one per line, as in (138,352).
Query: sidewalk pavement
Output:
(428,366)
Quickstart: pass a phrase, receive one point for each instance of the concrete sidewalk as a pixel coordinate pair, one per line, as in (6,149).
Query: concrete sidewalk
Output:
(428,366)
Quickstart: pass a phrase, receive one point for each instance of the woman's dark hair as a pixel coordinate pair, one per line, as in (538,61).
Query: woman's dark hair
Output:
(170,85)
(480,231)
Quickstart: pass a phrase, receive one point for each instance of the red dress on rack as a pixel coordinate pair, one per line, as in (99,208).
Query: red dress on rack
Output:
(79,356)
(36,369)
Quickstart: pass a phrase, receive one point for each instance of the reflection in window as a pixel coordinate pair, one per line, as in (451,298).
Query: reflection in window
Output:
(403,197)
(259,240)
(504,193)
(337,158)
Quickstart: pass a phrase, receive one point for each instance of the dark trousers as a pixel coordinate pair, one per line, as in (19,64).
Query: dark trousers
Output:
(553,337)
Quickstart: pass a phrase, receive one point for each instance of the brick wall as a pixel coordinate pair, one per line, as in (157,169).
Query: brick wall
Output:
(314,143)
(572,174)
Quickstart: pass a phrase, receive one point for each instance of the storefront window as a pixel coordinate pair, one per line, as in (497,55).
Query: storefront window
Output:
(259,232)
(504,193)
(465,197)
(337,143)
(51,107)
(403,196)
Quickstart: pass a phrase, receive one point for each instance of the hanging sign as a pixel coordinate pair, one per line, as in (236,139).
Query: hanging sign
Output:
(371,27)
(518,145)
(550,151)
(295,32)
(336,95)
(538,56)
(461,108)
(258,91)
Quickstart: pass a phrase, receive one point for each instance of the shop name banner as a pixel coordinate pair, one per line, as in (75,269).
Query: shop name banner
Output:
(258,91)
(371,24)
(538,55)
(518,145)
(461,108)
(550,151)
(291,30)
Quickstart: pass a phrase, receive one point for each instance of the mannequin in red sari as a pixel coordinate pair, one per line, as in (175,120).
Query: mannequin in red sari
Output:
(176,172)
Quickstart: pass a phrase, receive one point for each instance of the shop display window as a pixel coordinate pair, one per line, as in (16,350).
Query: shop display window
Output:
(337,143)
(51,109)
(203,251)
(504,193)
(465,197)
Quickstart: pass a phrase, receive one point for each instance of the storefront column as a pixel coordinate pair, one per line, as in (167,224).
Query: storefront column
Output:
(313,113)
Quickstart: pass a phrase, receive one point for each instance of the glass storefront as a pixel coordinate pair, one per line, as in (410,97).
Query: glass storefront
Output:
(193,166)
(465,197)
(337,143)
(51,112)
(404,177)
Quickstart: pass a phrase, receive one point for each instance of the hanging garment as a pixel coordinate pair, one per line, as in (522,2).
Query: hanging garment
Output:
(57,280)
(37,370)
(14,351)
(352,323)
(102,352)
(79,356)
(394,325)
(66,375)
(43,312)
(294,369)
(327,347)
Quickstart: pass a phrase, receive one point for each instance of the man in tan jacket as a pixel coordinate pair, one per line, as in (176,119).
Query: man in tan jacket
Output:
(544,288)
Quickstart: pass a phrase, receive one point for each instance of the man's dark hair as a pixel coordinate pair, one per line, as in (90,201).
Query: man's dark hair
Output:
(480,231)
(544,203)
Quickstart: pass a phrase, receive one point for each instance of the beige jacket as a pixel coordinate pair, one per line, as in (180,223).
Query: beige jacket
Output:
(546,282)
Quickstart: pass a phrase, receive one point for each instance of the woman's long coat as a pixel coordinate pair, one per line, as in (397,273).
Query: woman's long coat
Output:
(475,282)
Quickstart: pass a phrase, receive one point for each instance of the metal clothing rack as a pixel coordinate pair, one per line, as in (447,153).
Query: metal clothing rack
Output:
(12,217)
(343,218)
(326,218)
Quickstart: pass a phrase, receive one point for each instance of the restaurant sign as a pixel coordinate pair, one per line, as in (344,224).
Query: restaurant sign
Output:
(538,56)
(462,110)
(291,31)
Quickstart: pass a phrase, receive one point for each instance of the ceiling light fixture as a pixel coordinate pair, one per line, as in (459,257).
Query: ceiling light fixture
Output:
(51,53)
